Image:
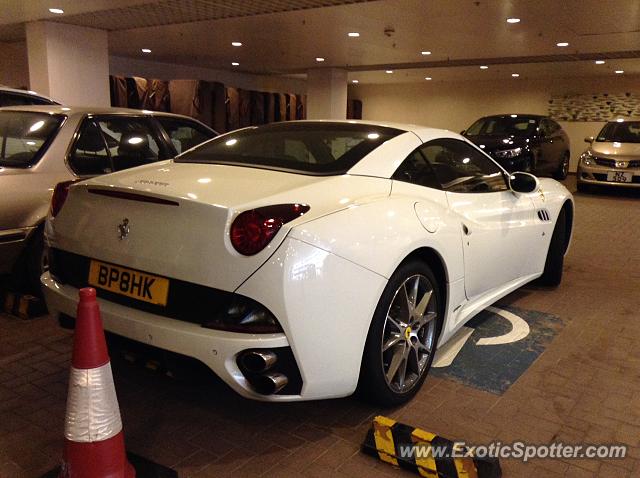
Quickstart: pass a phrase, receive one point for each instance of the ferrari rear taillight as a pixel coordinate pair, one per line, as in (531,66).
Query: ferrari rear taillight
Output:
(252,230)
(60,196)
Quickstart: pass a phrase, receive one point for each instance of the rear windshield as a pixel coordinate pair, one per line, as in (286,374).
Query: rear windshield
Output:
(518,126)
(307,147)
(621,132)
(25,136)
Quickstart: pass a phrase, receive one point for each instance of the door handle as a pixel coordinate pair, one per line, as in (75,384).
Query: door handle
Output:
(466,230)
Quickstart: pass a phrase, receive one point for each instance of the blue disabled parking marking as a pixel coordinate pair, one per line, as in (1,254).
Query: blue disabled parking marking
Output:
(496,347)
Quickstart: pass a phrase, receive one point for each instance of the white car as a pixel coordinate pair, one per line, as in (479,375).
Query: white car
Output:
(305,260)
(41,146)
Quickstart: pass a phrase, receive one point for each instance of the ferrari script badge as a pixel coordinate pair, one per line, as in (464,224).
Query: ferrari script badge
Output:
(123,229)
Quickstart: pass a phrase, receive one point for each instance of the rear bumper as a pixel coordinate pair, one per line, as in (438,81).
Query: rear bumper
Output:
(324,304)
(216,349)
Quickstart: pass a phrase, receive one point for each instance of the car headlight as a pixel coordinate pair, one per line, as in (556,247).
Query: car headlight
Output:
(508,153)
(587,159)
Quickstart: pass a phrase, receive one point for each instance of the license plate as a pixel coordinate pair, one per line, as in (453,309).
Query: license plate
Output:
(619,177)
(128,282)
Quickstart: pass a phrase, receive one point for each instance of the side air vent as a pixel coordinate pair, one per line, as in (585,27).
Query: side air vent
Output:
(544,216)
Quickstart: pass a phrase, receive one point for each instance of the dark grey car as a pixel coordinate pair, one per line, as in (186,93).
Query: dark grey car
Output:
(532,143)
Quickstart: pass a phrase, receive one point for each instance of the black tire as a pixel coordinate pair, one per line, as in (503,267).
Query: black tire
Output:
(552,275)
(373,386)
(563,168)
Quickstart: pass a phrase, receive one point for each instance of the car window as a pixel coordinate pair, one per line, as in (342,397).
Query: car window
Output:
(89,156)
(545,128)
(460,167)
(620,132)
(132,141)
(512,125)
(16,99)
(25,136)
(184,134)
(417,170)
(555,127)
(309,147)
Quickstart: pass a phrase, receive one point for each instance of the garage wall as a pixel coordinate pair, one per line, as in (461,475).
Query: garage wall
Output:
(14,67)
(14,72)
(455,105)
(169,71)
(69,63)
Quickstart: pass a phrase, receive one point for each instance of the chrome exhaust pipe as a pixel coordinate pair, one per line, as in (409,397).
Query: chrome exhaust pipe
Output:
(270,383)
(258,361)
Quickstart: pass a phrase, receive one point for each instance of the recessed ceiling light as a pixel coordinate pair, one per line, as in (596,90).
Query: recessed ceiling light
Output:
(562,43)
(484,67)
(235,63)
(389,71)
(619,72)
(146,50)
(57,11)
(355,81)
(600,62)
(425,53)
(513,20)
(353,34)
(236,43)
(515,75)
(428,78)
(319,59)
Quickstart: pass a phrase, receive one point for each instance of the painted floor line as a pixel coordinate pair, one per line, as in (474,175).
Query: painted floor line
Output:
(444,356)
(519,329)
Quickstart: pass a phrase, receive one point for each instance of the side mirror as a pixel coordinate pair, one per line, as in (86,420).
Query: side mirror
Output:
(523,183)
(589,139)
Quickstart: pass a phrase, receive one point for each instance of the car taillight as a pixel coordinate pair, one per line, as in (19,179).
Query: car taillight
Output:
(252,230)
(59,196)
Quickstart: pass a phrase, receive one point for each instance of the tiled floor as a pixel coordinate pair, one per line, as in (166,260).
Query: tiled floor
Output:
(585,387)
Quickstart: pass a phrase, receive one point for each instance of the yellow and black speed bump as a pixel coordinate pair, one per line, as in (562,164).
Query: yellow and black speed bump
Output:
(423,452)
(23,305)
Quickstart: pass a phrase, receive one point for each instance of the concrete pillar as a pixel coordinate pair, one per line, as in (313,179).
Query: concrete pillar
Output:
(69,63)
(327,94)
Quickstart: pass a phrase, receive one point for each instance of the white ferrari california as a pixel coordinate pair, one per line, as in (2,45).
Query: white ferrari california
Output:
(307,260)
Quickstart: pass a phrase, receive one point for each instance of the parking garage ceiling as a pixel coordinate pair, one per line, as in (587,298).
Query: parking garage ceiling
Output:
(414,39)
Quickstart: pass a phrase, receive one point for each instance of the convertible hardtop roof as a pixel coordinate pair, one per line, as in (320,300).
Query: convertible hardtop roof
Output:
(423,132)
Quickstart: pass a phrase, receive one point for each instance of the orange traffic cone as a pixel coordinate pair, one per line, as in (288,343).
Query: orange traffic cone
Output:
(94,441)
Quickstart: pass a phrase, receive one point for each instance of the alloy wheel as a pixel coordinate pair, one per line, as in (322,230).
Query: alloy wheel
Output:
(408,336)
